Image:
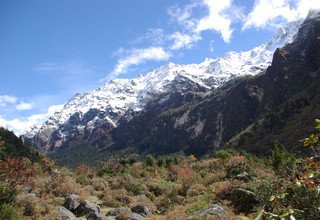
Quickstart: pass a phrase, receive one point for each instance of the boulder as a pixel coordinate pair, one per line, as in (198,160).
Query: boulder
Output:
(94,216)
(141,210)
(244,176)
(86,207)
(71,202)
(216,210)
(129,215)
(64,213)
(135,216)
(118,211)
(244,201)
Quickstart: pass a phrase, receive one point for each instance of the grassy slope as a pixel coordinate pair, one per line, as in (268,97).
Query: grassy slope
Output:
(14,147)
(289,123)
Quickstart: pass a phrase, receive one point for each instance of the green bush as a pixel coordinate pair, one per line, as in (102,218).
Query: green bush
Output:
(111,168)
(7,212)
(136,187)
(225,153)
(83,180)
(283,161)
(161,162)
(150,161)
(196,207)
(203,203)
(167,160)
(7,194)
(234,169)
(306,200)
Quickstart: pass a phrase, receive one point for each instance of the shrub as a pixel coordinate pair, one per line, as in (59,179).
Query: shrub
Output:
(178,213)
(17,171)
(196,189)
(2,150)
(136,187)
(304,199)
(7,194)
(266,188)
(115,198)
(156,188)
(203,203)
(301,197)
(99,184)
(33,206)
(82,169)
(283,161)
(236,165)
(111,168)
(150,161)
(213,177)
(182,173)
(47,165)
(196,207)
(63,185)
(224,154)
(7,212)
(167,160)
(161,162)
(83,180)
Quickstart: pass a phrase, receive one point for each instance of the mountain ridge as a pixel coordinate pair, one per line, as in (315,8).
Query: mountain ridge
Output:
(124,98)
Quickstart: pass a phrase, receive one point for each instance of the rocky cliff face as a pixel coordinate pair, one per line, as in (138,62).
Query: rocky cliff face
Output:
(196,107)
(205,123)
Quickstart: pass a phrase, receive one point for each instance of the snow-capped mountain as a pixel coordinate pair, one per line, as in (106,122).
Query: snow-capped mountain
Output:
(109,103)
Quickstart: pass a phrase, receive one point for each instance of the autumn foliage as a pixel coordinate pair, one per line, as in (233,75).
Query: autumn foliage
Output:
(17,171)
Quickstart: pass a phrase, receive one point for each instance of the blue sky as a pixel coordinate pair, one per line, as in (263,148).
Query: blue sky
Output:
(52,49)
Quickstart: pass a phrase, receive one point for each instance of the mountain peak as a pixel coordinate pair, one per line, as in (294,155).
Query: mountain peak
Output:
(313,14)
(125,97)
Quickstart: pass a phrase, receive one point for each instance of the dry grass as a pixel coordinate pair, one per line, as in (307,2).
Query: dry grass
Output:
(170,192)
(115,198)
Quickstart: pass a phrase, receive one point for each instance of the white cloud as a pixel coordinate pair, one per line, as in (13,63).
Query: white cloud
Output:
(7,100)
(20,125)
(183,15)
(138,56)
(183,40)
(153,36)
(274,12)
(24,106)
(220,17)
(211,46)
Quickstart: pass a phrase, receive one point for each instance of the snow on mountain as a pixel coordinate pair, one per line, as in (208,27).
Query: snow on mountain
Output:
(118,96)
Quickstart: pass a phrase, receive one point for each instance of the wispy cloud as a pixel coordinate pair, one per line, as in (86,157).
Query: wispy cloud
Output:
(153,36)
(6,100)
(19,125)
(219,18)
(183,15)
(211,46)
(138,56)
(181,41)
(192,19)
(275,12)
(24,106)
(47,67)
